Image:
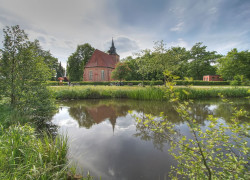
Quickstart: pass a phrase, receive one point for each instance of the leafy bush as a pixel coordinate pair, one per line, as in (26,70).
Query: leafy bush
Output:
(202,83)
(178,83)
(240,80)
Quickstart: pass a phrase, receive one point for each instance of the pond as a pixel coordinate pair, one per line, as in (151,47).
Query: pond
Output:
(105,140)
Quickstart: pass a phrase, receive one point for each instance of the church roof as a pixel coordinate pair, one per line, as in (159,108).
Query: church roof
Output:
(101,59)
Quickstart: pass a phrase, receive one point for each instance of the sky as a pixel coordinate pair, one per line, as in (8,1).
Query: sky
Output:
(61,25)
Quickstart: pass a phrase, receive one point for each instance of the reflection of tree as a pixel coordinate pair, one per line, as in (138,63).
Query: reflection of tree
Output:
(146,130)
(82,116)
(199,111)
(90,112)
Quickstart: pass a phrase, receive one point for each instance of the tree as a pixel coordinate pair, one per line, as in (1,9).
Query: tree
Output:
(143,61)
(233,64)
(77,61)
(133,66)
(181,61)
(200,62)
(121,71)
(60,71)
(219,152)
(164,59)
(24,74)
(49,60)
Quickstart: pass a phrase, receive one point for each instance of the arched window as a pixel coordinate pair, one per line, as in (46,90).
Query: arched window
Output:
(102,74)
(90,75)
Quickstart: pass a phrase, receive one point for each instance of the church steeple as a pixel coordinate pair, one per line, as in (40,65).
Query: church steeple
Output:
(112,50)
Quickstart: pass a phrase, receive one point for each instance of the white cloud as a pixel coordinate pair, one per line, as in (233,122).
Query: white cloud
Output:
(180,42)
(178,27)
(61,25)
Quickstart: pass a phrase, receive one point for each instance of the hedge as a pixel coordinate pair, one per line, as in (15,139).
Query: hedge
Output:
(178,82)
(202,83)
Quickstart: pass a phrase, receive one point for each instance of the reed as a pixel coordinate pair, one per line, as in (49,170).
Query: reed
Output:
(143,93)
(23,155)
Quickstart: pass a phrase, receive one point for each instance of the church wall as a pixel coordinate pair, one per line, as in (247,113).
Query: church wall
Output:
(97,74)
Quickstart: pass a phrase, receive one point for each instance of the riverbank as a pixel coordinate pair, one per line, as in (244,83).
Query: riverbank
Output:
(27,154)
(145,93)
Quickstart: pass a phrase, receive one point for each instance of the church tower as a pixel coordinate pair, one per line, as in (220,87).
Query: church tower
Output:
(113,53)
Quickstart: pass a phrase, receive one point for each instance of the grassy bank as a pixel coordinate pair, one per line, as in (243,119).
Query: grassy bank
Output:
(143,93)
(24,154)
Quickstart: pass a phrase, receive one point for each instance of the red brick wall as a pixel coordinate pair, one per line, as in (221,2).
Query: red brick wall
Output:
(212,78)
(96,74)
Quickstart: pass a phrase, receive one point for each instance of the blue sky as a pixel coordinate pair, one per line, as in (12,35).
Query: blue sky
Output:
(60,25)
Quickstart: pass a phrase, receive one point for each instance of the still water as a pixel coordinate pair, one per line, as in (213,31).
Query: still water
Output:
(105,140)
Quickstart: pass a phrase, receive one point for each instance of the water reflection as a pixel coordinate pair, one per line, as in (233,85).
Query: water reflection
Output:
(104,138)
(90,112)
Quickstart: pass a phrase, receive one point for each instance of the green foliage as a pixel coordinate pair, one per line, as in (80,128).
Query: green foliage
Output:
(24,75)
(104,83)
(99,92)
(213,153)
(200,62)
(233,64)
(77,61)
(121,71)
(148,93)
(144,63)
(159,82)
(24,156)
(133,66)
(240,80)
(60,71)
(48,59)
(202,83)
(218,152)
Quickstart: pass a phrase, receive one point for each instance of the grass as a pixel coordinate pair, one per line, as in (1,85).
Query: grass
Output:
(145,93)
(23,155)
(26,155)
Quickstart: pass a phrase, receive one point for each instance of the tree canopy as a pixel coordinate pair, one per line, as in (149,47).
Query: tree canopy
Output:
(233,64)
(24,73)
(77,61)
(200,62)
(121,71)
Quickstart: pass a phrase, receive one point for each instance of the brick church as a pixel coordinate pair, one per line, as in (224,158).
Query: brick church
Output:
(101,64)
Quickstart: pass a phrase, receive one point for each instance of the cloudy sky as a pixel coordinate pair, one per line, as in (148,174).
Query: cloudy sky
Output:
(60,25)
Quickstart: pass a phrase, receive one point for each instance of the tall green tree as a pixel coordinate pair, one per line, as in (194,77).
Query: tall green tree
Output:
(77,61)
(133,66)
(24,74)
(233,64)
(60,71)
(49,60)
(143,62)
(121,71)
(164,59)
(200,62)
(181,56)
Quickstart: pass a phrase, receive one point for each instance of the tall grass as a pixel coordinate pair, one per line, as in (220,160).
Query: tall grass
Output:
(24,156)
(143,93)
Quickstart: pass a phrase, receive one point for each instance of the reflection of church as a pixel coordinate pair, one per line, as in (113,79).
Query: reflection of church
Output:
(93,112)
(103,112)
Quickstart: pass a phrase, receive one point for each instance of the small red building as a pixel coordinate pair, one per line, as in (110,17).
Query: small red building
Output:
(100,65)
(212,78)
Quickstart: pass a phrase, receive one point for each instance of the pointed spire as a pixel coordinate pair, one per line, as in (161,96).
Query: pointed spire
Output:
(113,46)
(112,50)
